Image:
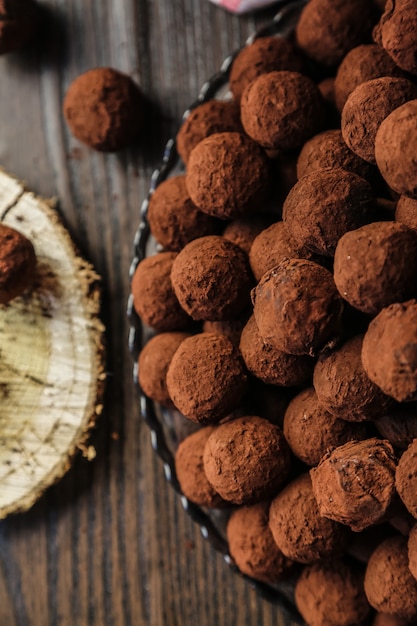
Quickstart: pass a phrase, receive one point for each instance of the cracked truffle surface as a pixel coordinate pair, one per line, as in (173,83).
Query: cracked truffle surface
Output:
(354,484)
(247,460)
(17,263)
(406,478)
(397,32)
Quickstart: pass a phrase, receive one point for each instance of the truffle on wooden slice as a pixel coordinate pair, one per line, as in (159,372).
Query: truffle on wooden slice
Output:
(17,263)
(52,368)
(389,584)
(406,212)
(354,484)
(252,546)
(397,33)
(406,478)
(206,378)
(331,594)
(247,460)
(20,20)
(399,425)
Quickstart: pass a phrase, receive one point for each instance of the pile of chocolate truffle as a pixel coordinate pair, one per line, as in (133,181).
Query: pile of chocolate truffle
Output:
(284,305)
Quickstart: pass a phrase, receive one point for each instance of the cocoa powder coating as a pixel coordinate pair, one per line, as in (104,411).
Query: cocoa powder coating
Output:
(20,20)
(406,212)
(406,478)
(232,329)
(243,231)
(412,551)
(399,425)
(397,33)
(17,263)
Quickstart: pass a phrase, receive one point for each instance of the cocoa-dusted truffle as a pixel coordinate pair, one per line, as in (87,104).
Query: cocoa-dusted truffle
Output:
(376,265)
(154,299)
(397,33)
(19,23)
(406,478)
(354,484)
(395,149)
(104,109)
(206,378)
(281,110)
(214,116)
(212,279)
(412,551)
(361,64)
(190,470)
(384,619)
(406,212)
(298,528)
(271,365)
(389,351)
(153,364)
(389,584)
(265,54)
(174,219)
(244,230)
(311,431)
(232,329)
(343,387)
(227,175)
(367,106)
(17,263)
(399,425)
(328,29)
(326,204)
(252,546)
(297,307)
(247,460)
(331,594)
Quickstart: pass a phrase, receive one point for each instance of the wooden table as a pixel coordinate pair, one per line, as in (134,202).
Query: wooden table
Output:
(110,544)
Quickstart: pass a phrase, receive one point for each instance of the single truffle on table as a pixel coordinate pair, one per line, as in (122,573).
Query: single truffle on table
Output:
(311,431)
(406,212)
(190,470)
(264,55)
(355,483)
(326,204)
(395,149)
(247,460)
(104,109)
(367,107)
(252,546)
(154,299)
(281,110)
(344,389)
(211,278)
(20,20)
(376,265)
(389,584)
(271,365)
(406,478)
(227,175)
(412,551)
(214,116)
(328,29)
(331,594)
(389,351)
(397,33)
(399,425)
(297,307)
(299,531)
(206,378)
(243,231)
(17,263)
(174,219)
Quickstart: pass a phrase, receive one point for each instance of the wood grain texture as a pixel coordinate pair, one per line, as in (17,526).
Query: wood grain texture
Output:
(110,544)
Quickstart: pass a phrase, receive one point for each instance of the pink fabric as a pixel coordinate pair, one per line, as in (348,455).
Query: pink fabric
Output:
(243,6)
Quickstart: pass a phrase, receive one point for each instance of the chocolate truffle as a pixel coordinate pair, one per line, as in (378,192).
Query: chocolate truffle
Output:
(247,460)
(406,478)
(244,230)
(174,219)
(389,351)
(264,55)
(190,470)
(397,33)
(395,149)
(367,106)
(17,263)
(153,364)
(297,307)
(331,594)
(298,528)
(206,378)
(361,64)
(412,551)
(214,116)
(154,299)
(376,265)
(281,110)
(389,584)
(212,279)
(227,175)
(406,212)
(311,431)
(328,29)
(343,387)
(384,619)
(354,484)
(326,88)
(326,204)
(232,329)
(252,546)
(19,23)
(271,365)
(104,109)
(399,425)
